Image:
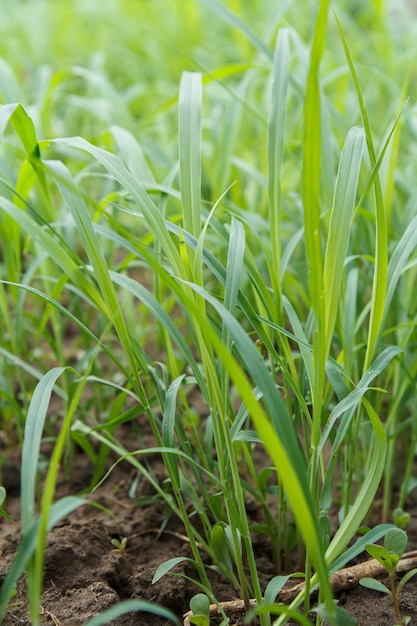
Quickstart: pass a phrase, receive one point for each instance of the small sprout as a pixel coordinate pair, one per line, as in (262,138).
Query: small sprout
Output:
(401,518)
(388,555)
(200,606)
(120,547)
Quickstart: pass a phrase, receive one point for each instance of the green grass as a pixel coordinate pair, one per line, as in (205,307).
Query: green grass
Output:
(262,182)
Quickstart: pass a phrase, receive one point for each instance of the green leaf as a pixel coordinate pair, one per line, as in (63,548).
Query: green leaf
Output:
(375,585)
(199,620)
(132,605)
(2,495)
(383,556)
(340,225)
(151,213)
(341,617)
(401,517)
(366,495)
(276,135)
(379,286)
(23,125)
(4,514)
(165,567)
(398,260)
(200,604)
(396,541)
(189,112)
(404,580)
(353,399)
(31,443)
(311,178)
(274,587)
(220,545)
(358,547)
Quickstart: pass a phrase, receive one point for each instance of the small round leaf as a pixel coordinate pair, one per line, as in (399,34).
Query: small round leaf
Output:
(396,541)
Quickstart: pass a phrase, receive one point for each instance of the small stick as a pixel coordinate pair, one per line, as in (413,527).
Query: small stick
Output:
(342,580)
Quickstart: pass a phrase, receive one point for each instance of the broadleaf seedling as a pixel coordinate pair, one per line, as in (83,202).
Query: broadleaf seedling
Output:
(388,555)
(401,518)
(200,606)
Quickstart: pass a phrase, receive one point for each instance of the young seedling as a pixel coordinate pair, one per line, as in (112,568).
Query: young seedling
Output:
(388,555)
(120,547)
(200,607)
(401,518)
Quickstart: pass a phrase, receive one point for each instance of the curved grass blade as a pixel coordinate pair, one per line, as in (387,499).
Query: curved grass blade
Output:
(129,606)
(59,307)
(140,292)
(398,260)
(151,213)
(369,488)
(354,398)
(54,249)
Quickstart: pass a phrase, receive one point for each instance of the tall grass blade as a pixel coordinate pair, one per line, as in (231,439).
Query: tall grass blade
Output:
(31,444)
(276,136)
(398,261)
(379,285)
(311,204)
(340,224)
(189,114)
(29,470)
(55,250)
(150,212)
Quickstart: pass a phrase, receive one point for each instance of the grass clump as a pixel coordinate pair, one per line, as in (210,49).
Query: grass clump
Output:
(266,249)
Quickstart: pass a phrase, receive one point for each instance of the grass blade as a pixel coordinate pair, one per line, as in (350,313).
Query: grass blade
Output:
(276,136)
(340,223)
(33,433)
(128,606)
(379,286)
(311,204)
(189,114)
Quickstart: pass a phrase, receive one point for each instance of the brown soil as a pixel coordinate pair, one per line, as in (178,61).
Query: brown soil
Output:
(84,576)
